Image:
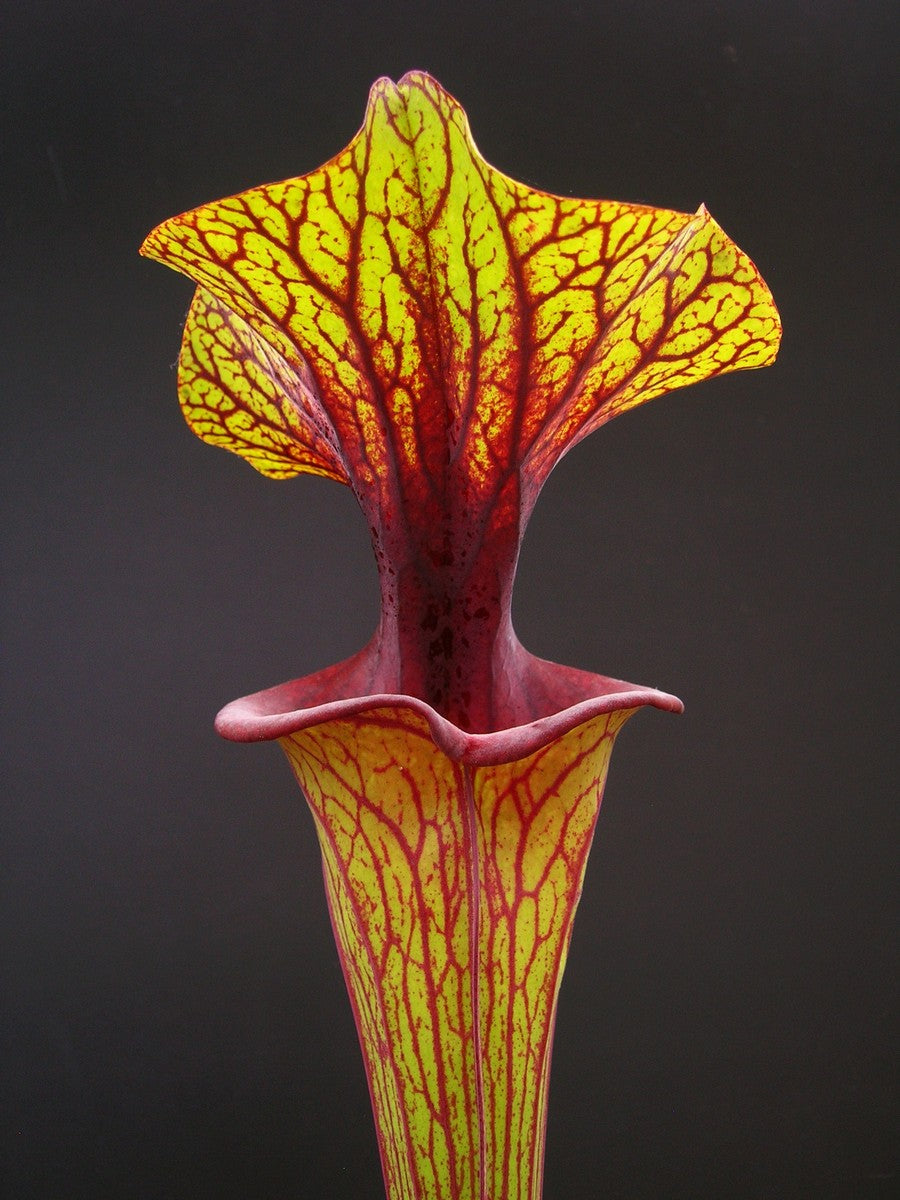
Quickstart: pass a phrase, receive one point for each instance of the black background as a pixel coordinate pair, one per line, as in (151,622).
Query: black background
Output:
(173,1017)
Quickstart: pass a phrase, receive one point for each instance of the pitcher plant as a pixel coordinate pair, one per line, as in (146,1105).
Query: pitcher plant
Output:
(414,323)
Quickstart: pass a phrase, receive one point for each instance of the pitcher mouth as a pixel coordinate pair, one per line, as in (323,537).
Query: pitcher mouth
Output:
(279,711)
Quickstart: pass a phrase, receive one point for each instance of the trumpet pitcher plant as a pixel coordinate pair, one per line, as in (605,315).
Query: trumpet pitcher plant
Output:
(410,321)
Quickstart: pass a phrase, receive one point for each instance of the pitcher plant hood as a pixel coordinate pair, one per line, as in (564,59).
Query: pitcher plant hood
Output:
(412,322)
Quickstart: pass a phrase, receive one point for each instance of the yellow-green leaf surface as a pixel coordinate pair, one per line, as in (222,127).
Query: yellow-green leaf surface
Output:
(411,321)
(452,891)
(407,309)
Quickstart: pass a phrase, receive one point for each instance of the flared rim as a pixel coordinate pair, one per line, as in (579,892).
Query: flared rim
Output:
(272,714)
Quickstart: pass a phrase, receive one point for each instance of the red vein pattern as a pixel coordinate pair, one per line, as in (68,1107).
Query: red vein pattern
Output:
(410,321)
(452,890)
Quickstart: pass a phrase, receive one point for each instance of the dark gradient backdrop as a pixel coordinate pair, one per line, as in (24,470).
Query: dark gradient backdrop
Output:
(173,1018)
